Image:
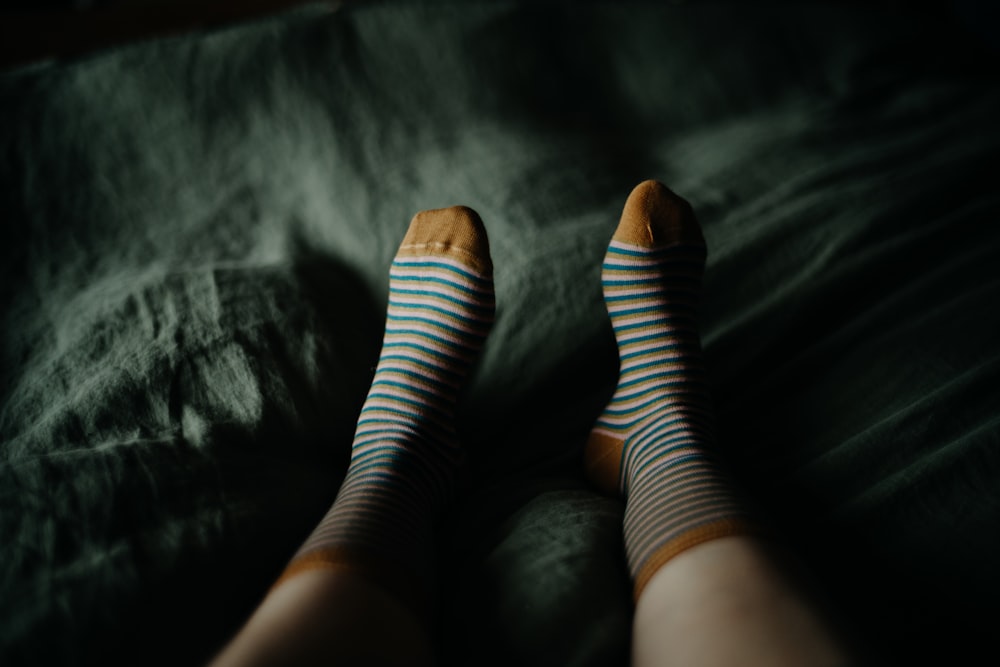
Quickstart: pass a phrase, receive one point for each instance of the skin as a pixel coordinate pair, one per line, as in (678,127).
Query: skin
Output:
(329,617)
(726,602)
(732,601)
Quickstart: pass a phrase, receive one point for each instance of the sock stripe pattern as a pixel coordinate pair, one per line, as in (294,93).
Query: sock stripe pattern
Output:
(405,450)
(661,409)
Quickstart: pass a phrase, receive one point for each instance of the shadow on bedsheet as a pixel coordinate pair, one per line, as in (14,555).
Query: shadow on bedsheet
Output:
(210,435)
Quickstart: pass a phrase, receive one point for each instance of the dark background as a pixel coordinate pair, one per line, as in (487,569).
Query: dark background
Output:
(36,29)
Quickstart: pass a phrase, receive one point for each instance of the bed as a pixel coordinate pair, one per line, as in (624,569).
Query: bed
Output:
(195,243)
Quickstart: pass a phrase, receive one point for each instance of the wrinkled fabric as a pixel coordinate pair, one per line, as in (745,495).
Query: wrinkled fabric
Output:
(196,238)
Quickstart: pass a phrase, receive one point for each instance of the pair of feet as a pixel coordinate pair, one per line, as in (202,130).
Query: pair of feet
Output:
(652,444)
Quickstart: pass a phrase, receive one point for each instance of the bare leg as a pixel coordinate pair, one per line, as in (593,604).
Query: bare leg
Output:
(328,617)
(731,601)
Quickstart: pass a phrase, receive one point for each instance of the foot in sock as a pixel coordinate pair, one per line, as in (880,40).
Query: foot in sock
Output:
(654,442)
(405,454)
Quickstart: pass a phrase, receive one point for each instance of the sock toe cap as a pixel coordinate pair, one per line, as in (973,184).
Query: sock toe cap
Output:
(654,216)
(457,231)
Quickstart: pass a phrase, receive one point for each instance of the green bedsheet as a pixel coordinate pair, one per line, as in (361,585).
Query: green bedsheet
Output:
(195,243)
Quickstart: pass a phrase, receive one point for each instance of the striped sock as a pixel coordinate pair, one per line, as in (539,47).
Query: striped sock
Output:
(653,443)
(405,453)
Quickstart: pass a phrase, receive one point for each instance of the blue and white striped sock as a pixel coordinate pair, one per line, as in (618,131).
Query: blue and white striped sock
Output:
(406,453)
(653,443)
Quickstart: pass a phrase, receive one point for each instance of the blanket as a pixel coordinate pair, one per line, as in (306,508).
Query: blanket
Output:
(193,269)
